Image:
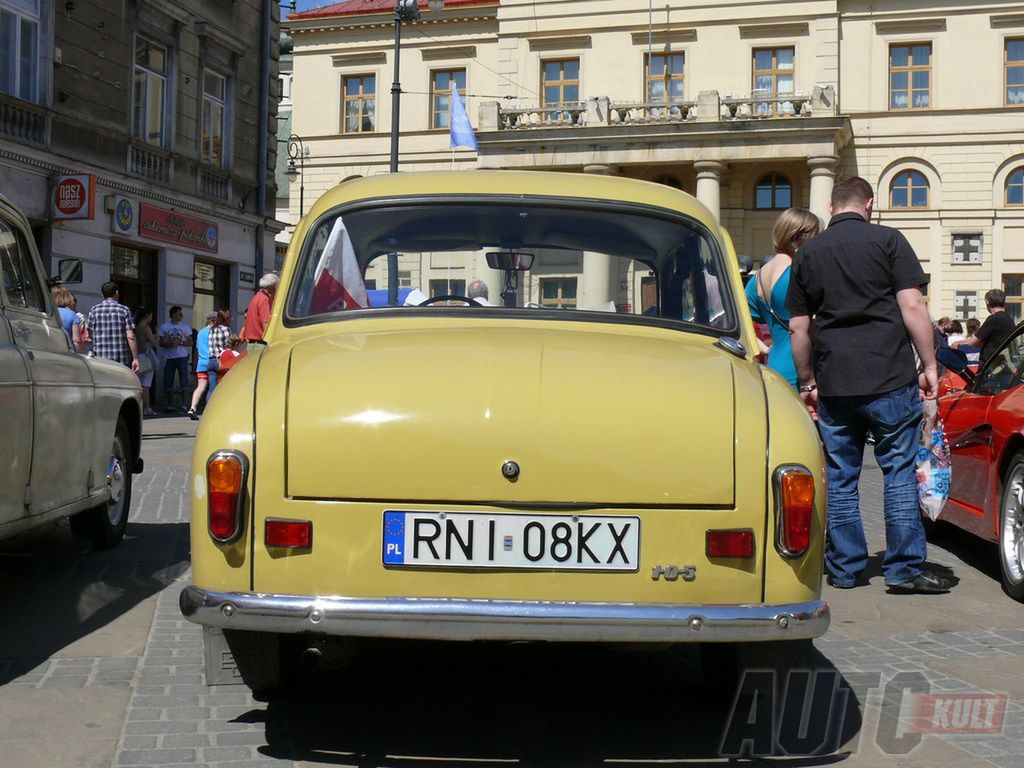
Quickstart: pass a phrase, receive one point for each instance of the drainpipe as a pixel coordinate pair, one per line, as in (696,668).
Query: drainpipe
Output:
(264,127)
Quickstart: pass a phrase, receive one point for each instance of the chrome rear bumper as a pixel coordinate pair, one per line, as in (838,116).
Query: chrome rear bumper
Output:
(450,619)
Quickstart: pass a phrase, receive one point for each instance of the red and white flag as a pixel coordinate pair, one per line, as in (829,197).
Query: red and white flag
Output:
(337,283)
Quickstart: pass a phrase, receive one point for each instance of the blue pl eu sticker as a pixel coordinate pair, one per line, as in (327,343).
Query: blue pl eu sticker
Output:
(394,538)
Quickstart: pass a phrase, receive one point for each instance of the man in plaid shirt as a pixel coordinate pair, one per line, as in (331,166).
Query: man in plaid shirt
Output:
(113,329)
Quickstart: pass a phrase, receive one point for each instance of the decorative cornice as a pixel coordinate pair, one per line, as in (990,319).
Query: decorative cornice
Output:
(665,37)
(1007,20)
(546,43)
(790,29)
(910,26)
(450,52)
(210,32)
(359,59)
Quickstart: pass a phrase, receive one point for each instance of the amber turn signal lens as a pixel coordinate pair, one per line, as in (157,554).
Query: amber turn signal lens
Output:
(739,543)
(795,493)
(224,474)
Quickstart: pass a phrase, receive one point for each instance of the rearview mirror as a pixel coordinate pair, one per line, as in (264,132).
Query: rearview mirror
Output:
(956,361)
(515,261)
(69,272)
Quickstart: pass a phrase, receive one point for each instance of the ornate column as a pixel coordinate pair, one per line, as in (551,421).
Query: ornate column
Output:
(709,178)
(597,286)
(823,178)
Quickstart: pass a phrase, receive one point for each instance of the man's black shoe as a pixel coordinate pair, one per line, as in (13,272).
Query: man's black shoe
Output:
(925,583)
(833,583)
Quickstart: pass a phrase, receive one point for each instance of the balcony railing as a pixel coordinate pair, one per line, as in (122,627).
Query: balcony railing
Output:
(213,182)
(149,163)
(710,106)
(22,121)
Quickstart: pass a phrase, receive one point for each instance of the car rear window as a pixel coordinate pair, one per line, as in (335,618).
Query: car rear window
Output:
(571,257)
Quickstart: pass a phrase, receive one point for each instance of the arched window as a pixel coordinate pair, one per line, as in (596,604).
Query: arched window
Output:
(668,181)
(1015,187)
(773,191)
(909,190)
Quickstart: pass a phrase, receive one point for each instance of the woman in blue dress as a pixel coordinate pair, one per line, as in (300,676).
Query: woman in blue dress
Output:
(766,291)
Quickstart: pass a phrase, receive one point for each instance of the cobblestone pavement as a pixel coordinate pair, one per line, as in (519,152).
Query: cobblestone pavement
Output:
(97,668)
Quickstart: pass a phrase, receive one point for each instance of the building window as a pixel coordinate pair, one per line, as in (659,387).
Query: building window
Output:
(19,49)
(441,94)
(1015,187)
(772,76)
(558,292)
(910,76)
(210,284)
(1013,286)
(773,192)
(214,117)
(561,84)
(1015,72)
(966,304)
(134,271)
(967,249)
(447,288)
(665,77)
(358,113)
(909,190)
(149,91)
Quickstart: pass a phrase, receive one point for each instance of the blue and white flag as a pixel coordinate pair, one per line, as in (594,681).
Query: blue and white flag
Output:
(461,131)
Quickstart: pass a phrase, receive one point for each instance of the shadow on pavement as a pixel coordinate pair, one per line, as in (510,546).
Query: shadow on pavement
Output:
(55,592)
(972,550)
(448,705)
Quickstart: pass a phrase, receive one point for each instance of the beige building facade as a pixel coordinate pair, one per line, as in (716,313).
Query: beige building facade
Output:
(751,107)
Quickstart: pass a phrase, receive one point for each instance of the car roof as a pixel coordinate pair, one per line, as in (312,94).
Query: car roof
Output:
(577,186)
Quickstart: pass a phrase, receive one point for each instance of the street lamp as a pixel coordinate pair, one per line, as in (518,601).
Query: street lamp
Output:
(297,152)
(405,10)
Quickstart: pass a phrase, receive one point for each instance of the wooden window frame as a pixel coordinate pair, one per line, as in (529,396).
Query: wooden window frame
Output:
(210,103)
(1013,299)
(773,72)
(910,173)
(360,97)
(1007,66)
(151,76)
(561,83)
(910,69)
(775,177)
(666,78)
(1011,183)
(434,112)
(560,302)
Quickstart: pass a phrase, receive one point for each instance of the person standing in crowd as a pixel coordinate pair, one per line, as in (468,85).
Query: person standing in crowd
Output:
(65,302)
(257,315)
(147,355)
(996,328)
(766,293)
(112,329)
(234,352)
(204,373)
(219,335)
(176,342)
(861,284)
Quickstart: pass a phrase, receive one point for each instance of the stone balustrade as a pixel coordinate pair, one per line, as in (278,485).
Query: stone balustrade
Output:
(709,106)
(22,121)
(149,162)
(214,182)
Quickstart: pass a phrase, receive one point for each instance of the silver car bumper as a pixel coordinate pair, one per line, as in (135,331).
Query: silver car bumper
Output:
(438,619)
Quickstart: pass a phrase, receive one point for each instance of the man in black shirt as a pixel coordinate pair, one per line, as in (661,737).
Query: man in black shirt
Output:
(861,284)
(993,332)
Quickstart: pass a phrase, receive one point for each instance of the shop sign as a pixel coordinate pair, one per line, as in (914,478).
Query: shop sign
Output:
(74,197)
(123,216)
(174,227)
(245,276)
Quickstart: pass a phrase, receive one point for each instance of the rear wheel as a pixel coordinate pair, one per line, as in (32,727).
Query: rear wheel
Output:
(1011,529)
(105,524)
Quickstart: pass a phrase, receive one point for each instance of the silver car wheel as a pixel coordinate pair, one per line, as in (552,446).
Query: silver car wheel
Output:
(1011,538)
(117,469)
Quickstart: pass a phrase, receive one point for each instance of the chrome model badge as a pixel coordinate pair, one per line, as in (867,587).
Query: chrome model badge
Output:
(673,572)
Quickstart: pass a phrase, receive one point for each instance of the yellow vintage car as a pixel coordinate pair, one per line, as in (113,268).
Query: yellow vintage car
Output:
(590,453)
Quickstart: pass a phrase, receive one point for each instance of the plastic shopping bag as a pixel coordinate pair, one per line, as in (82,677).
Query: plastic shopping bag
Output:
(933,466)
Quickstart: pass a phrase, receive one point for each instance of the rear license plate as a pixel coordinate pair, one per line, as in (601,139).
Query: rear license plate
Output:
(472,540)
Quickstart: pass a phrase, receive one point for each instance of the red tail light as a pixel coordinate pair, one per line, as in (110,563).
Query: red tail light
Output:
(295,534)
(225,490)
(730,543)
(794,509)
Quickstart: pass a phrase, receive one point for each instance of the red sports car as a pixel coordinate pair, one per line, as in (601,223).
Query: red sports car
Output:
(984,425)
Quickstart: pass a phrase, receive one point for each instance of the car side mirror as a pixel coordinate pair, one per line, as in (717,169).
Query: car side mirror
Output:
(69,272)
(514,261)
(956,361)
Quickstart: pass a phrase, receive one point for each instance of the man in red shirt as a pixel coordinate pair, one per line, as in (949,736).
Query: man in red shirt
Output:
(258,314)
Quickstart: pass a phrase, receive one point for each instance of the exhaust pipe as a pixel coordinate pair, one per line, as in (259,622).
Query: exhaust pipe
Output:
(312,657)
(330,653)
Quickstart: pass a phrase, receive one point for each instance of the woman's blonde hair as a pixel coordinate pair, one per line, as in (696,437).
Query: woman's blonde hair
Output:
(793,228)
(62,296)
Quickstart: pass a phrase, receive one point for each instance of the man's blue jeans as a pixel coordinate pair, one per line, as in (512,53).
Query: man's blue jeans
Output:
(895,421)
